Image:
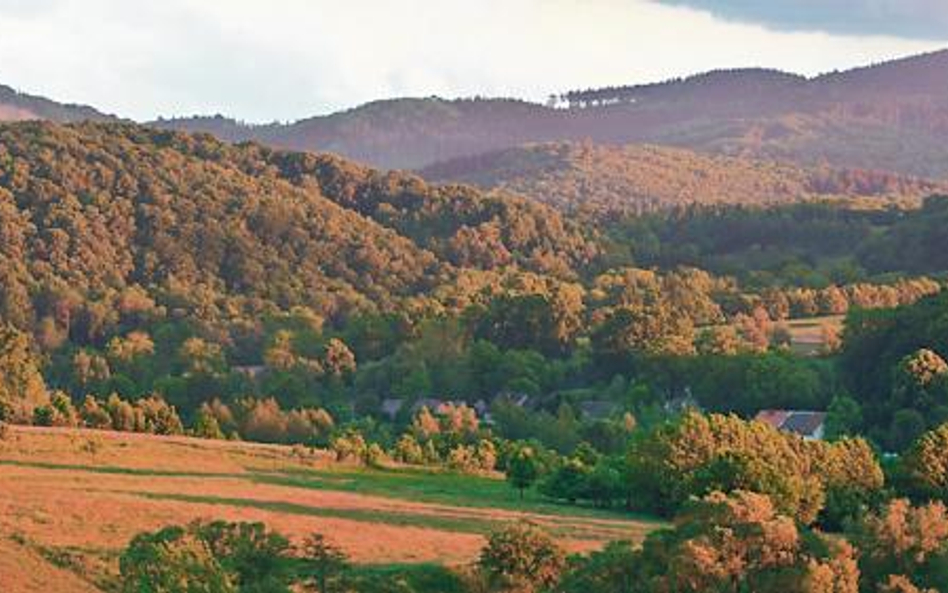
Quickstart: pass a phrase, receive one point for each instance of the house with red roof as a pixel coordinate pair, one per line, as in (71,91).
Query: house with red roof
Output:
(806,423)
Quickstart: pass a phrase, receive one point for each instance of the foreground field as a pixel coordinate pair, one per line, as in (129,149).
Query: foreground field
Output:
(71,500)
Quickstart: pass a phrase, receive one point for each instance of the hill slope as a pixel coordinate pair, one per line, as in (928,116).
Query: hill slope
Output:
(16,106)
(638,178)
(398,133)
(890,116)
(209,229)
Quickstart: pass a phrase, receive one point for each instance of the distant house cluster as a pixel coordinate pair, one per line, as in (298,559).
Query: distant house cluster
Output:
(806,423)
(592,410)
(391,408)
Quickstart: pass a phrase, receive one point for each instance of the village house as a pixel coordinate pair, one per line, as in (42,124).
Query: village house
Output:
(806,423)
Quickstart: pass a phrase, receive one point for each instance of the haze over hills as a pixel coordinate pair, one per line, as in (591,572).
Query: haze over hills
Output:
(16,106)
(890,116)
(641,178)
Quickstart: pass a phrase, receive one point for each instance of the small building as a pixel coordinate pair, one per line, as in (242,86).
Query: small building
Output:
(391,408)
(598,409)
(808,424)
(432,404)
(252,372)
(520,400)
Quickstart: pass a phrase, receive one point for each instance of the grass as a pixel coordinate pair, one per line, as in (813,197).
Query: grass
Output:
(399,519)
(113,470)
(404,578)
(435,487)
(76,507)
(806,335)
(454,523)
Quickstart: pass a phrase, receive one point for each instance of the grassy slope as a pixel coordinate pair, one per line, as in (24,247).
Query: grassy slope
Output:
(24,570)
(79,496)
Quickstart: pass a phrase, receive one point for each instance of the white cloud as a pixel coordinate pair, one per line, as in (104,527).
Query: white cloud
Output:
(286,59)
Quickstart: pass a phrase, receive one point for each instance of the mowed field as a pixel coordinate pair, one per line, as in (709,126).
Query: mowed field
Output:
(71,500)
(807,335)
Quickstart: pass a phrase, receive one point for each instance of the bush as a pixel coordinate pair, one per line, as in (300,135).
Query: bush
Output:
(374,456)
(214,557)
(350,446)
(522,557)
(43,416)
(324,563)
(59,412)
(159,417)
(407,450)
(206,426)
(173,559)
(94,415)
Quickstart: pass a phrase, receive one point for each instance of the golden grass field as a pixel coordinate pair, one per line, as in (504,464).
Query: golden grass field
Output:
(807,337)
(71,500)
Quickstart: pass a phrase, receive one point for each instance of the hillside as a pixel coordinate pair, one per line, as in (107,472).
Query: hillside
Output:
(214,231)
(16,106)
(890,116)
(398,133)
(639,178)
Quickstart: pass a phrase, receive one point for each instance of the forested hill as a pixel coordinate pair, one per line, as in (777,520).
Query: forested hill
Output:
(399,133)
(16,106)
(638,178)
(890,116)
(92,211)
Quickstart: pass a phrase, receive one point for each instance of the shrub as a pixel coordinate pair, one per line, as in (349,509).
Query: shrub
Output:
(171,560)
(350,446)
(374,456)
(94,415)
(214,557)
(159,417)
(206,426)
(124,416)
(407,450)
(521,557)
(323,563)
(463,459)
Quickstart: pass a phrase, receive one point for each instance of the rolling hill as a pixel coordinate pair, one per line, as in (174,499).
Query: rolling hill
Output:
(92,210)
(890,116)
(16,106)
(642,178)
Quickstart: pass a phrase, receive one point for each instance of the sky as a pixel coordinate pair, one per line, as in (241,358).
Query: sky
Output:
(281,60)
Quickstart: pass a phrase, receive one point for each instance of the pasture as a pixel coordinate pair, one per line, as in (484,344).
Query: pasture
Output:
(71,500)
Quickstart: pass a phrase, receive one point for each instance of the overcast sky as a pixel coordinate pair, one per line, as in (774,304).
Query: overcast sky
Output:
(286,59)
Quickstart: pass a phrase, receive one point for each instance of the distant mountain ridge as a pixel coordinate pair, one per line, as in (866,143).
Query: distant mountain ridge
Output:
(891,116)
(17,106)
